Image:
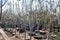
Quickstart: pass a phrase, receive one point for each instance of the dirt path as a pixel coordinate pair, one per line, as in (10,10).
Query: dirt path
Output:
(4,35)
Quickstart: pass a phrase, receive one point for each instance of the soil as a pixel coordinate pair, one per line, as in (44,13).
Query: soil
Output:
(1,38)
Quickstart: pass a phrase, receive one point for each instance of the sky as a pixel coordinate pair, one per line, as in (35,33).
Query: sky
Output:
(35,4)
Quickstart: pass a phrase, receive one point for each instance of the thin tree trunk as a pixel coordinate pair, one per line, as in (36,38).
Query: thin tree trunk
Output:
(1,10)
